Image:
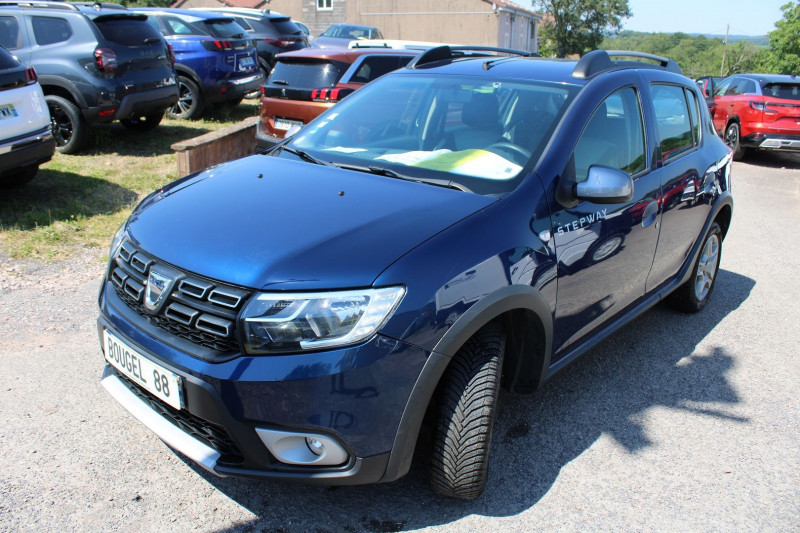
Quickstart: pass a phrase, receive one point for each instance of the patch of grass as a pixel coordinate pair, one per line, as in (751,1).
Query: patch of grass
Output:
(79,201)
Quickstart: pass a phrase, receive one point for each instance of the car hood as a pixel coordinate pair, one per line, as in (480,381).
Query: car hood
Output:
(265,222)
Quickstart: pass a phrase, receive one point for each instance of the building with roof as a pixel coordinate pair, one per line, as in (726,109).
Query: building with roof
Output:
(475,22)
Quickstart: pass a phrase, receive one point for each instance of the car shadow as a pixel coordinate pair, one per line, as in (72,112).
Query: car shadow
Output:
(651,362)
(55,196)
(766,158)
(116,139)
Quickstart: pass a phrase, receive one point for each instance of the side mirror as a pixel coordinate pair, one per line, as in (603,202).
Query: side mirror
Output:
(605,185)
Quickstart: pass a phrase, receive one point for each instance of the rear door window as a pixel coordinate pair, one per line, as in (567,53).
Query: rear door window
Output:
(10,34)
(127,31)
(50,30)
(673,121)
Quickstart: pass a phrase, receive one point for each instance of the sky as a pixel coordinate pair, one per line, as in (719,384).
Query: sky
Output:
(746,17)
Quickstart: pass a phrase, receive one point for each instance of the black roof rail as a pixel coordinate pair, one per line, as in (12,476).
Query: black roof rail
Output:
(446,52)
(598,61)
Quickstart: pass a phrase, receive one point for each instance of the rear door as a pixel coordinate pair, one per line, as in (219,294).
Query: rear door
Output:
(682,165)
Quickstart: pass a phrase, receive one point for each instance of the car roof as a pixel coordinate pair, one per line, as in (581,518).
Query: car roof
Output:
(345,25)
(484,62)
(344,54)
(92,10)
(189,12)
(245,12)
(769,78)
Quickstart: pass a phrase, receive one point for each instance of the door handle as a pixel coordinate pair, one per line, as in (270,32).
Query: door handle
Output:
(650,213)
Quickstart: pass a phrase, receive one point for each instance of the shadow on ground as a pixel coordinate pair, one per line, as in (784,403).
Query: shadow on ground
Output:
(649,363)
(116,139)
(60,196)
(766,158)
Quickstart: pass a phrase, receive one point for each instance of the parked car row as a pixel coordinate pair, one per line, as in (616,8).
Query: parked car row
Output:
(755,111)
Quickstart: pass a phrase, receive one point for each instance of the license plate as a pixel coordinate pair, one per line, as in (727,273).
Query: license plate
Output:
(284,124)
(246,63)
(8,111)
(157,380)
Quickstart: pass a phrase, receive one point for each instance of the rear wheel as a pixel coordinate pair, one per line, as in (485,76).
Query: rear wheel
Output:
(190,101)
(463,430)
(70,130)
(145,123)
(693,295)
(733,138)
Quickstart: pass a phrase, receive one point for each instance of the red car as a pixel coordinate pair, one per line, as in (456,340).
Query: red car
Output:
(304,83)
(759,111)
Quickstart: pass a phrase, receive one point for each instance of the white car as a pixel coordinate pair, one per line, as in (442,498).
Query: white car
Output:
(26,139)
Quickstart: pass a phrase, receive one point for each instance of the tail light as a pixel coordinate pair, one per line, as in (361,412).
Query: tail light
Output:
(171,55)
(218,46)
(30,76)
(330,94)
(280,43)
(106,60)
(762,106)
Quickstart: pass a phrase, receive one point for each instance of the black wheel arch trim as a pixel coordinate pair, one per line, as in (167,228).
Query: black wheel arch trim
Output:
(62,86)
(509,298)
(183,70)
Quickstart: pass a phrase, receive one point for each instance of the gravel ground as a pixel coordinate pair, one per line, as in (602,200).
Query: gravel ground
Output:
(674,423)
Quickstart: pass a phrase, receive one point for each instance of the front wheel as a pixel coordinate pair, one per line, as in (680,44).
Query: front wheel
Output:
(190,101)
(693,295)
(466,412)
(70,130)
(733,138)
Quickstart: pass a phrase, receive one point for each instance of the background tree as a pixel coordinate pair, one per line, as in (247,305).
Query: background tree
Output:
(579,26)
(783,56)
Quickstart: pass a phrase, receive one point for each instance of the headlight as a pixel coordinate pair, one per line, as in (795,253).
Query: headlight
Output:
(275,323)
(116,241)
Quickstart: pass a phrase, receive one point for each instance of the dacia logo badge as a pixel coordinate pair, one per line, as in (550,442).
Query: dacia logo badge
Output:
(158,287)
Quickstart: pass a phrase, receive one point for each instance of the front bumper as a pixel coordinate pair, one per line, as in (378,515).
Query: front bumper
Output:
(356,396)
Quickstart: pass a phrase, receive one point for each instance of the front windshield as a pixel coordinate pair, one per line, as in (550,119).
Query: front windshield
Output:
(476,133)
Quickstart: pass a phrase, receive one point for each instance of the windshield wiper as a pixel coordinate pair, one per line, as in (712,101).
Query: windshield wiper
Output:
(389,173)
(279,82)
(305,156)
(151,40)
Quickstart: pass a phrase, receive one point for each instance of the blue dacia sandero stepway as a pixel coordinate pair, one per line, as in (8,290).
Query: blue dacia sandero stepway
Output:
(475,220)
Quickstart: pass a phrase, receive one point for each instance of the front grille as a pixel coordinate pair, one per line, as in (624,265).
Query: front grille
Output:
(197,309)
(203,430)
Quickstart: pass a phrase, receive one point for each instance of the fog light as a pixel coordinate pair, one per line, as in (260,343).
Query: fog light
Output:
(308,449)
(315,445)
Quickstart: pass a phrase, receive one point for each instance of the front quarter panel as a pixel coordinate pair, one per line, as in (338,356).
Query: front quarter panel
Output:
(489,251)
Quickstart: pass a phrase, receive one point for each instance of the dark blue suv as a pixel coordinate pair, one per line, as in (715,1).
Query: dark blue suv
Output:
(301,314)
(216,61)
